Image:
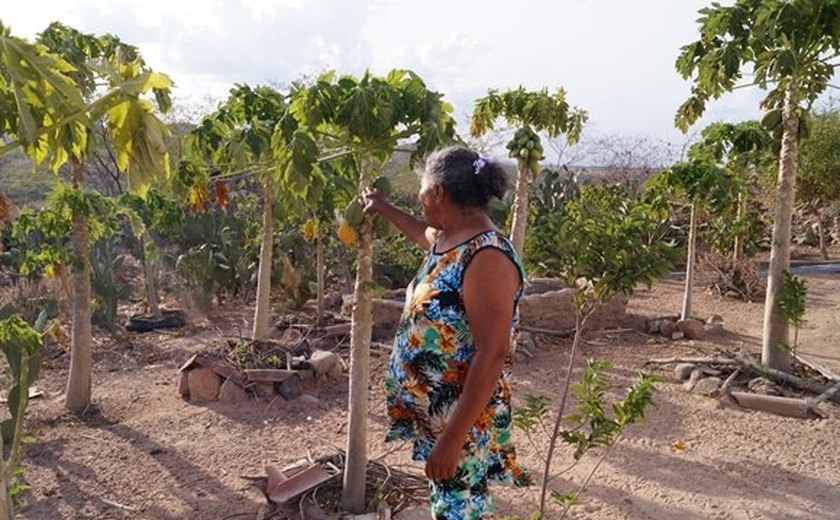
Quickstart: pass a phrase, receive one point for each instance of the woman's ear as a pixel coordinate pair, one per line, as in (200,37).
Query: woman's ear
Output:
(439,194)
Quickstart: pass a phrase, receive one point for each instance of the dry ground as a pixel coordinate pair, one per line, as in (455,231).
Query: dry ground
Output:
(142,447)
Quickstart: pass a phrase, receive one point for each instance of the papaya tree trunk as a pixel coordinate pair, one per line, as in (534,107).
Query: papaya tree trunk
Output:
(776,331)
(319,276)
(355,471)
(520,211)
(738,248)
(151,285)
(689,264)
(266,253)
(81,355)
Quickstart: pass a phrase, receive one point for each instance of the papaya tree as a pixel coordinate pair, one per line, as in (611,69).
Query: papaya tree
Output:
(239,138)
(85,61)
(364,120)
(704,187)
(790,49)
(532,112)
(741,149)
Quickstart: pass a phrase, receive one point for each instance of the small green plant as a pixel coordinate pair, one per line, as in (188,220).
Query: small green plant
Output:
(792,303)
(21,345)
(599,245)
(590,425)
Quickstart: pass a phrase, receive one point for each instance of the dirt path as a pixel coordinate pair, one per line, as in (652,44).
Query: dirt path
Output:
(146,449)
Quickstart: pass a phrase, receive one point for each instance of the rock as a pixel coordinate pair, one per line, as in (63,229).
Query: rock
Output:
(693,329)
(204,384)
(395,294)
(543,285)
(308,399)
(667,328)
(683,371)
(184,383)
(714,329)
(762,385)
(325,364)
(556,310)
(308,380)
(677,334)
(707,386)
(265,390)
(313,512)
(232,393)
(715,318)
(386,316)
(413,513)
(696,375)
(653,326)
(291,388)
(332,301)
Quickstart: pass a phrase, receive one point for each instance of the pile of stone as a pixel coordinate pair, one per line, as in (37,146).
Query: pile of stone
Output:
(546,304)
(204,378)
(672,327)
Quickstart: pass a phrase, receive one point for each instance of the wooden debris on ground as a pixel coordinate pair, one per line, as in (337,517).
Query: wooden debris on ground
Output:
(814,380)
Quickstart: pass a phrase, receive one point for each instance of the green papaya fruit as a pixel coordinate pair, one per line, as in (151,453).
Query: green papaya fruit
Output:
(772,119)
(524,153)
(383,186)
(353,213)
(535,154)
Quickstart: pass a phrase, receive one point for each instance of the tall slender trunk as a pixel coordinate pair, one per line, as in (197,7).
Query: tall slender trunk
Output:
(689,263)
(580,320)
(738,248)
(151,285)
(355,471)
(776,327)
(319,275)
(81,355)
(520,211)
(266,254)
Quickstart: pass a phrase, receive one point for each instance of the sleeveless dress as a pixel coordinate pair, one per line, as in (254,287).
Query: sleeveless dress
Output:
(427,369)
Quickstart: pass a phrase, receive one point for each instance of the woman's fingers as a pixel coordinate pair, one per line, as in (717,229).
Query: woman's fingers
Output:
(371,198)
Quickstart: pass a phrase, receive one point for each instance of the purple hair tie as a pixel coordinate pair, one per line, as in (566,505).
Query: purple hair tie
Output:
(480,163)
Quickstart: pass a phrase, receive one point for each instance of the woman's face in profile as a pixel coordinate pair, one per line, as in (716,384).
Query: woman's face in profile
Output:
(429,197)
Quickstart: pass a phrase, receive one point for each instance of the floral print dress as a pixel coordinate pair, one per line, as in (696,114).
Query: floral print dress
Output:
(427,369)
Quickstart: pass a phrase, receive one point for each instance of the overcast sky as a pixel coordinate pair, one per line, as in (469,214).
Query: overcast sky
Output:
(615,57)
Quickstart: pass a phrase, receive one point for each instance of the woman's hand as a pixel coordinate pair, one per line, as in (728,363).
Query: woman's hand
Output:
(373,201)
(444,458)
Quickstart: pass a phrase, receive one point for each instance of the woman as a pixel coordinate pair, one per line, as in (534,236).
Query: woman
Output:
(447,385)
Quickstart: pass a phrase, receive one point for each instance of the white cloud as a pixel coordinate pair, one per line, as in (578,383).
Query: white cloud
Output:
(615,58)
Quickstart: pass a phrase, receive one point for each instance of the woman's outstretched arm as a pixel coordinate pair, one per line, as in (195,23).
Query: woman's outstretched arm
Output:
(409,225)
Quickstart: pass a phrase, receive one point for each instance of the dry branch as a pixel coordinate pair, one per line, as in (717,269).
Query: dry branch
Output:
(693,361)
(746,360)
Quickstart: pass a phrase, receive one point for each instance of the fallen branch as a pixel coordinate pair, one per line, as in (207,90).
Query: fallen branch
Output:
(746,360)
(813,365)
(785,406)
(830,392)
(724,389)
(693,361)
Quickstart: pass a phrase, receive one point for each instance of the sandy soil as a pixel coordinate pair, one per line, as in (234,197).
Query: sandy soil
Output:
(142,447)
